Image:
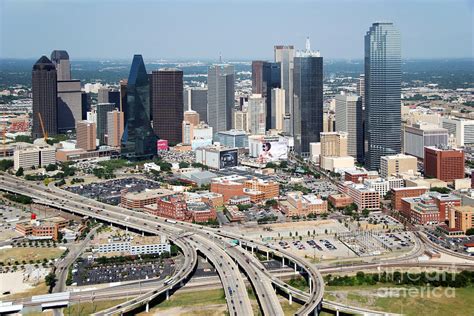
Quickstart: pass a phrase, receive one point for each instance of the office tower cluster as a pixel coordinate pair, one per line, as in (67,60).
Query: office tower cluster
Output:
(286,98)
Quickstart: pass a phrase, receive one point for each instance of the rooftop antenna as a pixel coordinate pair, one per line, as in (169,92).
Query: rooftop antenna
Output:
(308,44)
(220,58)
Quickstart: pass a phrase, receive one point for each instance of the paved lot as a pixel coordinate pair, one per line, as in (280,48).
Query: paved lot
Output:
(109,191)
(86,272)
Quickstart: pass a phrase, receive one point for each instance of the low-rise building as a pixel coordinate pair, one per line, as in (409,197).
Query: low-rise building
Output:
(395,164)
(364,197)
(461,217)
(227,188)
(33,156)
(127,245)
(138,200)
(421,210)
(355,175)
(239,200)
(42,229)
(270,189)
(298,204)
(383,186)
(340,200)
(399,193)
(233,213)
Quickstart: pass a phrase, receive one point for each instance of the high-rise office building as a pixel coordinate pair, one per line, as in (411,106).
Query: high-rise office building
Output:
(220,96)
(44,90)
(197,101)
(360,89)
(114,128)
(462,130)
(123,94)
(60,59)
(444,163)
(308,99)
(271,80)
(265,77)
(256,115)
(69,104)
(240,121)
(382,93)
(138,139)
(284,54)
(102,109)
(85,104)
(349,119)
(107,95)
(190,120)
(86,135)
(191,117)
(420,135)
(167,96)
(257,76)
(334,144)
(278,108)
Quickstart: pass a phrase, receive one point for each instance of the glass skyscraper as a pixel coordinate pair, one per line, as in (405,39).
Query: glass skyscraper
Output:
(382,93)
(220,96)
(307,99)
(138,139)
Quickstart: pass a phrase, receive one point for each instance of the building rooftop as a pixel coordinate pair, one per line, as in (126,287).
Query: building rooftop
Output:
(147,194)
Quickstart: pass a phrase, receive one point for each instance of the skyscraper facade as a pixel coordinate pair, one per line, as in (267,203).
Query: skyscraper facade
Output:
(60,59)
(308,99)
(102,111)
(382,93)
(220,96)
(138,139)
(271,79)
(349,119)
(69,104)
(114,128)
(284,54)
(167,96)
(86,135)
(44,90)
(256,115)
(257,76)
(278,108)
(197,101)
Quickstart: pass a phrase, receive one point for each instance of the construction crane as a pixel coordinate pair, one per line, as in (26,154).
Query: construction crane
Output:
(45,133)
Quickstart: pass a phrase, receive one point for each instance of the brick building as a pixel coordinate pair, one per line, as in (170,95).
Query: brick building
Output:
(399,193)
(446,164)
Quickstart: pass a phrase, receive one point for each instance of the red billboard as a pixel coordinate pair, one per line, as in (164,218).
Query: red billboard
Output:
(162,144)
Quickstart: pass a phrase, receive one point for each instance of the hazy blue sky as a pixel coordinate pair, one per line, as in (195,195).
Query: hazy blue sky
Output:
(239,29)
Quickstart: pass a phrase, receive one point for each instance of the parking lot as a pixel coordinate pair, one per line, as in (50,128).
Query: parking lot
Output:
(109,191)
(88,272)
(455,244)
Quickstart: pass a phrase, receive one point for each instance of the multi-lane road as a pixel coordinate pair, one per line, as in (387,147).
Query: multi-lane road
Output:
(236,293)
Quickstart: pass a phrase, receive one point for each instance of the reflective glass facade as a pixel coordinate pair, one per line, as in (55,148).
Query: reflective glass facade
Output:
(307,102)
(382,93)
(138,139)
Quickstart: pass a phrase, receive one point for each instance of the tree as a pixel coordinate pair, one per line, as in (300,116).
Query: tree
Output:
(50,280)
(470,232)
(183,164)
(19,172)
(440,190)
(365,212)
(51,167)
(6,164)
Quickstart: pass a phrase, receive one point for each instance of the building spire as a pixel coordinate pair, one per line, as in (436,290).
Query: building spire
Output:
(308,44)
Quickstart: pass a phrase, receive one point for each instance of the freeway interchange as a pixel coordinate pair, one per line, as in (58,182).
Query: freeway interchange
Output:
(228,258)
(209,242)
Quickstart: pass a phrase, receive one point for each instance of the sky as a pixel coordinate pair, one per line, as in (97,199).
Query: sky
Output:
(245,29)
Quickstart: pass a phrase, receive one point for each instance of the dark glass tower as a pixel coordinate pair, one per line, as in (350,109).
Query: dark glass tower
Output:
(308,99)
(271,78)
(44,89)
(138,139)
(382,93)
(167,96)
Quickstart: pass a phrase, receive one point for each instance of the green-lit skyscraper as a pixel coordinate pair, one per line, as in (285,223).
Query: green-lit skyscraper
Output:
(138,139)
(382,93)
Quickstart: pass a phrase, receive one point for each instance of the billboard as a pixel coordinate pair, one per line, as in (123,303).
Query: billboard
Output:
(228,158)
(162,144)
(273,150)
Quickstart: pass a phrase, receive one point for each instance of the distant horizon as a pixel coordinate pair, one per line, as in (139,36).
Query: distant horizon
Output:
(190,59)
(237,30)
